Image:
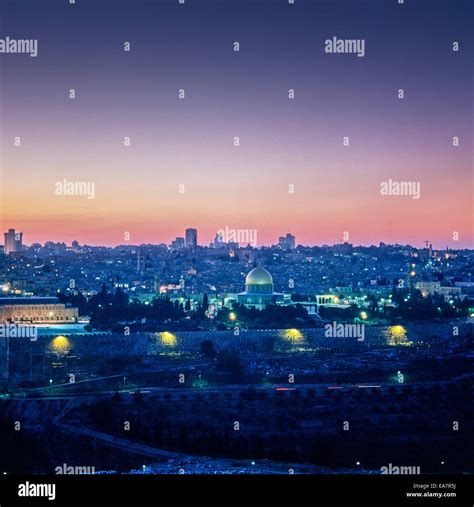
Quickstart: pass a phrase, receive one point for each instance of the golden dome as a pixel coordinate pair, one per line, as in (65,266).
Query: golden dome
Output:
(259,276)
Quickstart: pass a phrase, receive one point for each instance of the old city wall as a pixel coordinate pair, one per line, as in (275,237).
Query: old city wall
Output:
(110,346)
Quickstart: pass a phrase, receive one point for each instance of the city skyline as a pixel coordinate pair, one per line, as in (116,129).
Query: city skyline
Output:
(182,166)
(424,244)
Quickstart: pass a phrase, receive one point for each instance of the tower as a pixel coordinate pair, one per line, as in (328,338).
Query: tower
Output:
(13,241)
(191,238)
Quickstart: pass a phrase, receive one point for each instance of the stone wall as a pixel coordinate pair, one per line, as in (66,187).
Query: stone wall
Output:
(28,355)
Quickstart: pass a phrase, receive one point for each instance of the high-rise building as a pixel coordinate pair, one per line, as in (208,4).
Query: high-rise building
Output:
(287,242)
(177,243)
(191,238)
(218,242)
(13,241)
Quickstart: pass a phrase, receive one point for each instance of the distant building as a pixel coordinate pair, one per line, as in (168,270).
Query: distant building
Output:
(218,242)
(191,238)
(435,288)
(13,241)
(343,248)
(36,310)
(287,242)
(178,244)
(259,290)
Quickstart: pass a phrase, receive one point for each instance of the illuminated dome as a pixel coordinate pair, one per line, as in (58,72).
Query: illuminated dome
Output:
(259,276)
(258,290)
(259,280)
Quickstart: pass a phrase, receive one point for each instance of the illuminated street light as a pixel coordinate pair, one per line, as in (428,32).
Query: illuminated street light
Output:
(293,335)
(60,344)
(168,339)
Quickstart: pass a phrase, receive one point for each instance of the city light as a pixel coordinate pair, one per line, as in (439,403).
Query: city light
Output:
(398,330)
(168,339)
(293,335)
(363,315)
(397,335)
(232,316)
(60,344)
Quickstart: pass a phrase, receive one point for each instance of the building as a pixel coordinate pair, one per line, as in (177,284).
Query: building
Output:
(36,310)
(13,241)
(259,290)
(287,242)
(218,242)
(191,238)
(177,244)
(435,288)
(343,248)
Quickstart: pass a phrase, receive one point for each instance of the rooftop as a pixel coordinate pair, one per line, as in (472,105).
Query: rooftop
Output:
(28,301)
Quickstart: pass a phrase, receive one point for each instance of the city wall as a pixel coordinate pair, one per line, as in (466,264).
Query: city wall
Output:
(44,349)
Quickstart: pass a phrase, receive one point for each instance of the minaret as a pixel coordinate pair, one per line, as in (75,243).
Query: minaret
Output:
(138,263)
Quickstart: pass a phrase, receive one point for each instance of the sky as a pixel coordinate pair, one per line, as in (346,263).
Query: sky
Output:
(182,168)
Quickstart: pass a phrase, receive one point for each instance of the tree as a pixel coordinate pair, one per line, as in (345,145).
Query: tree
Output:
(229,361)
(207,348)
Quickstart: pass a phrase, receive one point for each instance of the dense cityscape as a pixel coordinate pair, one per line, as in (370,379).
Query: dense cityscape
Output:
(289,337)
(376,284)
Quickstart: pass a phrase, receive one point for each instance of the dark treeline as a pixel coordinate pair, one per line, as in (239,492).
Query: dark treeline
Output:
(112,310)
(272,317)
(109,310)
